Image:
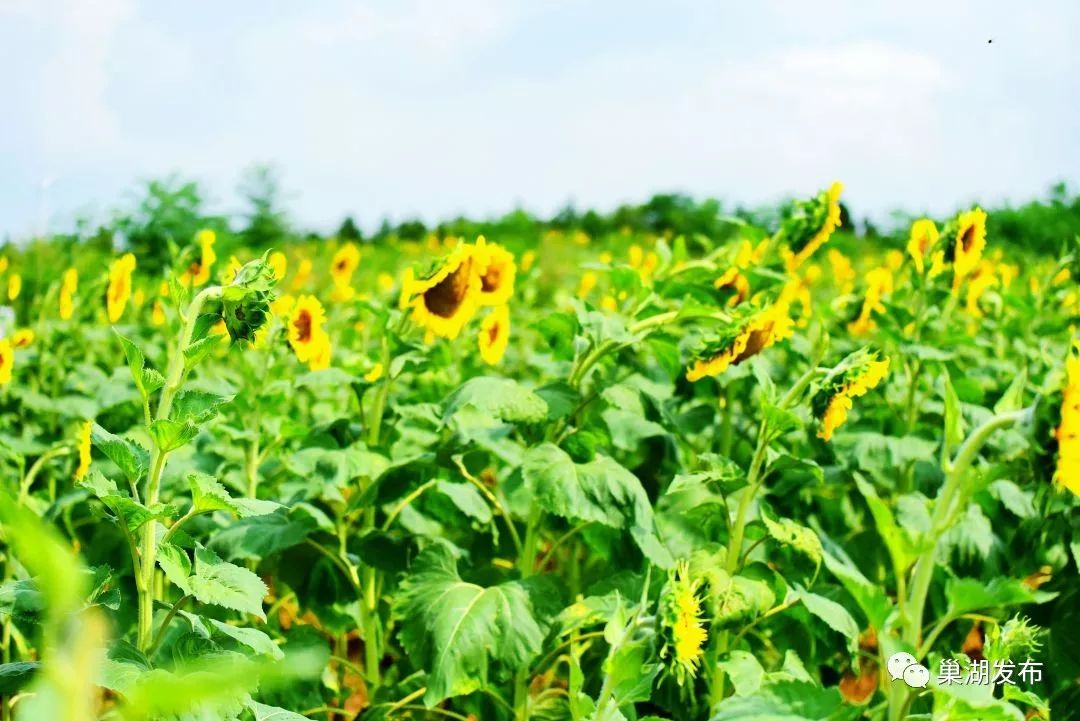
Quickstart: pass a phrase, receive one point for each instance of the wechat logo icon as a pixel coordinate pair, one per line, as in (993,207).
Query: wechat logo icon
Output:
(902,665)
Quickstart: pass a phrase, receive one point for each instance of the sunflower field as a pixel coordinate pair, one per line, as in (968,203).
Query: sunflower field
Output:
(558,476)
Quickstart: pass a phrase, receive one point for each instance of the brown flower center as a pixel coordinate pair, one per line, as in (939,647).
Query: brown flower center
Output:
(493,333)
(303,326)
(967,238)
(492,278)
(194,268)
(445,297)
(758,339)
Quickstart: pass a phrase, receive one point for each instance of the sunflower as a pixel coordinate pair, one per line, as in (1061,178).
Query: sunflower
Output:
(198,272)
(7,360)
(527,260)
(856,375)
(735,284)
(84,450)
(843,272)
(810,225)
(14,286)
(497,270)
(157,314)
(279,264)
(68,285)
(494,335)
(1067,434)
(924,236)
(683,630)
(374,374)
(344,264)
(119,291)
(756,331)
(444,300)
(22,338)
(981,280)
(306,327)
(967,250)
(303,272)
(586,284)
(879,283)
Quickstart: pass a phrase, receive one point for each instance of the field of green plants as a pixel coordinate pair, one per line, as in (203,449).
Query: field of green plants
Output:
(665,464)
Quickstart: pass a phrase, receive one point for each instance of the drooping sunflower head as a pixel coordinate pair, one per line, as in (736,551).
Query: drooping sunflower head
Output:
(245,301)
(810,224)
(344,264)
(751,332)
(853,377)
(494,334)
(119,290)
(1067,433)
(306,327)
(968,240)
(83,443)
(446,298)
(733,286)
(923,238)
(497,271)
(682,628)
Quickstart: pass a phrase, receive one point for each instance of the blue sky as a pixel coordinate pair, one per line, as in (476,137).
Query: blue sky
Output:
(426,108)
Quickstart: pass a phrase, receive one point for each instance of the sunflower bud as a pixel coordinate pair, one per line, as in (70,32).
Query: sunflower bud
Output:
(245,302)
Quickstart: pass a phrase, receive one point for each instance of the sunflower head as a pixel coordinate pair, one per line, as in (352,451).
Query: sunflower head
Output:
(7,361)
(809,224)
(494,335)
(1067,433)
(966,236)
(245,302)
(923,239)
(497,271)
(305,327)
(752,331)
(853,377)
(683,631)
(445,298)
(83,442)
(119,289)
(279,263)
(345,261)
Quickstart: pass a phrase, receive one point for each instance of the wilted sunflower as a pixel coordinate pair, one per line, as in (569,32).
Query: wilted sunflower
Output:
(856,375)
(68,285)
(753,332)
(1067,434)
(682,628)
(344,265)
(497,270)
(306,327)
(119,291)
(7,361)
(810,225)
(14,286)
(84,450)
(445,299)
(924,236)
(198,271)
(969,231)
(494,334)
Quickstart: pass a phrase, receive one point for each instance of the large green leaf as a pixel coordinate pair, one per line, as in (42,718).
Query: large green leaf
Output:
(781,701)
(456,630)
(14,676)
(600,491)
(966,595)
(128,457)
(835,615)
(224,584)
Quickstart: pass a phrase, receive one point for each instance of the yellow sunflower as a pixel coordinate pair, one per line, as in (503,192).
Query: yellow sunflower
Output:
(374,374)
(527,260)
(321,352)
(68,285)
(982,280)
(810,225)
(306,327)
(735,283)
(119,291)
(1067,434)
(842,269)
(22,338)
(586,284)
(859,373)
(344,265)
(497,271)
(303,272)
(14,286)
(969,244)
(84,450)
(198,272)
(924,236)
(494,335)
(279,264)
(879,283)
(7,361)
(684,631)
(756,332)
(446,299)
(157,314)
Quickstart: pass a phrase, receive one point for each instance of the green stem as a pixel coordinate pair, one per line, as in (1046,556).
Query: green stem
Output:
(381,394)
(165,625)
(35,468)
(942,517)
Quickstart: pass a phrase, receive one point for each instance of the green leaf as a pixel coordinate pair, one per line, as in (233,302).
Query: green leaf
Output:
(253,638)
(15,676)
(133,513)
(954,417)
(169,435)
(257,537)
(835,615)
(966,595)
(175,563)
(870,597)
(799,537)
(456,630)
(600,491)
(501,399)
(128,457)
(223,584)
(262,712)
(781,701)
(745,671)
(209,495)
(903,544)
(146,383)
(1014,498)
(197,406)
(1013,397)
(199,350)
(467,500)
